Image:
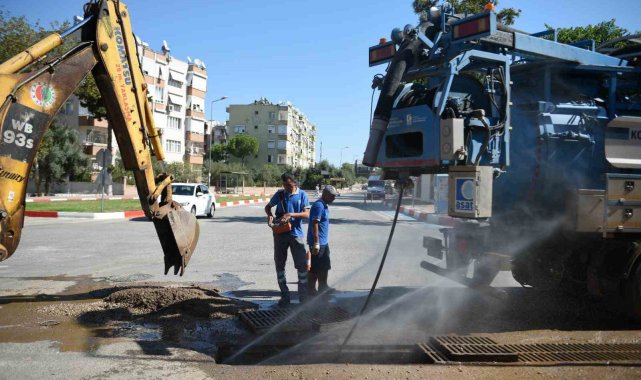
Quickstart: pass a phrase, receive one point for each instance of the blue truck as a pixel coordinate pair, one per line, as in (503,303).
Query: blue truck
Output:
(541,142)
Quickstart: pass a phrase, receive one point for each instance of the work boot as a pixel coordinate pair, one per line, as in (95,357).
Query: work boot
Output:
(284,300)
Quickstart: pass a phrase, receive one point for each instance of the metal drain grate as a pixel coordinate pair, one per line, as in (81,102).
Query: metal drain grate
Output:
(472,349)
(293,319)
(577,353)
(445,349)
(433,355)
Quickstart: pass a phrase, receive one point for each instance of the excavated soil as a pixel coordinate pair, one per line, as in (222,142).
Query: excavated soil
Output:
(88,315)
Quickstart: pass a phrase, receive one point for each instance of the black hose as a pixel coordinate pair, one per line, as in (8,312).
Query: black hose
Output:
(380,269)
(403,60)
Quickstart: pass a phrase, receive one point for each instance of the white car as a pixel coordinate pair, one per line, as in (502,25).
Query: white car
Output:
(194,198)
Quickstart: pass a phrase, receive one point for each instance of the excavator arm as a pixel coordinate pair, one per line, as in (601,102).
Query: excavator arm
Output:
(30,101)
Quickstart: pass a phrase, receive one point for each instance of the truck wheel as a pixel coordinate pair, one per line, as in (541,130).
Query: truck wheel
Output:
(212,210)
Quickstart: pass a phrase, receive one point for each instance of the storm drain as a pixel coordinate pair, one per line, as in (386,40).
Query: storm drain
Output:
(473,349)
(294,319)
(444,349)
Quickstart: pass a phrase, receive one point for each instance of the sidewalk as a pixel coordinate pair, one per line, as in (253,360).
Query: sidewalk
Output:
(422,211)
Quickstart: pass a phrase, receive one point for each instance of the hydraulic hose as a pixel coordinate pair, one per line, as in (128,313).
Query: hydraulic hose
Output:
(378,274)
(403,60)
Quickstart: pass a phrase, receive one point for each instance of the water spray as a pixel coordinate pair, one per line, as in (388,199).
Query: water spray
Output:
(380,269)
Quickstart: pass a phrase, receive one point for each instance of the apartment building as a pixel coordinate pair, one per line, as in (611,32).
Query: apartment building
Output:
(285,134)
(215,133)
(177,90)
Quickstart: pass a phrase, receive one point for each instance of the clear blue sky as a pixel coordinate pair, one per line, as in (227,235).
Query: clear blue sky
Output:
(313,53)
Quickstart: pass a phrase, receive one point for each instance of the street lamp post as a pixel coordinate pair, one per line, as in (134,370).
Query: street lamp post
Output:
(211,131)
(345,147)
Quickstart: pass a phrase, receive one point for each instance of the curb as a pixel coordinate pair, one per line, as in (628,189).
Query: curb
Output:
(427,217)
(56,199)
(123,214)
(86,215)
(112,198)
(241,203)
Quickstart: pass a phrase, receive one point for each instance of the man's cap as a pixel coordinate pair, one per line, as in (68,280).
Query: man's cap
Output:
(330,190)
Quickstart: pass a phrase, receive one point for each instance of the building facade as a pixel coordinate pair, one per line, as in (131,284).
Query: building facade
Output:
(177,90)
(285,135)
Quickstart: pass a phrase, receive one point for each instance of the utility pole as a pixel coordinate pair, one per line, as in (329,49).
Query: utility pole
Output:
(321,152)
(211,131)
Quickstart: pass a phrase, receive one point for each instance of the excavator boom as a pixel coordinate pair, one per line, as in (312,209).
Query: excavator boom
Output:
(30,101)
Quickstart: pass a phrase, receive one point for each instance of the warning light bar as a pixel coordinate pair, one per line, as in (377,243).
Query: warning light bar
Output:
(381,53)
(473,28)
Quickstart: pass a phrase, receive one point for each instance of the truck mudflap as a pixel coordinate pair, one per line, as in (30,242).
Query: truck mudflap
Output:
(177,229)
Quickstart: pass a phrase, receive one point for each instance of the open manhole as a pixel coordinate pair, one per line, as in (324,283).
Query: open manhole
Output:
(293,319)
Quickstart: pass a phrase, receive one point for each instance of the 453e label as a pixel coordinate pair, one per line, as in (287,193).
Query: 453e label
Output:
(22,130)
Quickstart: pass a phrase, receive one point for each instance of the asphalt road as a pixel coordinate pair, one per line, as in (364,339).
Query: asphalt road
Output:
(235,254)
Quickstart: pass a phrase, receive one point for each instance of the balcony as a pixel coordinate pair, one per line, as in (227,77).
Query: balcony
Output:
(195,92)
(92,122)
(194,158)
(195,114)
(195,137)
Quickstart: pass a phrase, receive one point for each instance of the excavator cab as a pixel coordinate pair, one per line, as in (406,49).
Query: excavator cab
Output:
(31,99)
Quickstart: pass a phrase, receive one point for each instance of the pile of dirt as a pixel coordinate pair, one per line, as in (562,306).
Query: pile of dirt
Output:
(196,301)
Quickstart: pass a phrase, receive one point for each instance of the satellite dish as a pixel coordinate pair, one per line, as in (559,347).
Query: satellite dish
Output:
(203,65)
(189,59)
(165,46)
(138,41)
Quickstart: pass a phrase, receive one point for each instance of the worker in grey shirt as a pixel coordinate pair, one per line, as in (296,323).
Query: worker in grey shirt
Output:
(291,205)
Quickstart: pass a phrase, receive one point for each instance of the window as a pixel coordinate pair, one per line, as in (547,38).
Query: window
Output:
(173,122)
(282,144)
(173,146)
(282,129)
(271,129)
(159,94)
(282,158)
(271,144)
(239,129)
(173,107)
(255,127)
(270,158)
(272,116)
(175,79)
(255,112)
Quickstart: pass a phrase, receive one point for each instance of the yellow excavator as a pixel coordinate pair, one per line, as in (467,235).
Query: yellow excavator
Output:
(31,99)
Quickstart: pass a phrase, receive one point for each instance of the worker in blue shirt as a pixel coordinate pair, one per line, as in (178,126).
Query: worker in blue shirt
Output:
(292,205)
(318,240)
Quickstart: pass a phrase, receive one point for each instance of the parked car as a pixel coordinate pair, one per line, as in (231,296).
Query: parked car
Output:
(195,198)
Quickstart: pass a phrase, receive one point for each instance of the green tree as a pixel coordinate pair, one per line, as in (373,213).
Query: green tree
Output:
(505,16)
(243,146)
(219,152)
(61,156)
(268,174)
(90,97)
(182,172)
(600,33)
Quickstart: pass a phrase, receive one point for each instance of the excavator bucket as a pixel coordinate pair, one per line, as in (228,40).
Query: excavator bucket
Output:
(178,231)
